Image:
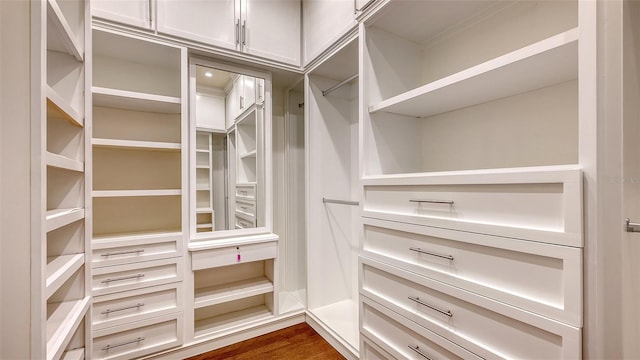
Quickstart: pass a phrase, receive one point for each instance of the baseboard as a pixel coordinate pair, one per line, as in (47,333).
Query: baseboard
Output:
(200,347)
(332,338)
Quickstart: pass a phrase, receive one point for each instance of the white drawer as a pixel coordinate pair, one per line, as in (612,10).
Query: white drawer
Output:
(244,221)
(247,208)
(485,327)
(205,259)
(399,338)
(542,205)
(370,351)
(117,250)
(107,280)
(139,338)
(488,265)
(135,305)
(246,192)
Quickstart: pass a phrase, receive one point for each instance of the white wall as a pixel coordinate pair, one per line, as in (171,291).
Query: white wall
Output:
(15,250)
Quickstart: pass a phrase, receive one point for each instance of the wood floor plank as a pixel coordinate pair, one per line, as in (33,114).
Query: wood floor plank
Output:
(298,342)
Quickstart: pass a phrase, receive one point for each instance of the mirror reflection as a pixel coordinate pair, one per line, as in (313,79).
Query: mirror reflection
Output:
(229,158)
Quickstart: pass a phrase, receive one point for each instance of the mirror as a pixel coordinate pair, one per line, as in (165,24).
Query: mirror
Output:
(228,159)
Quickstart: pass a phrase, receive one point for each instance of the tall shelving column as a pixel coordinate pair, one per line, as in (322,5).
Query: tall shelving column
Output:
(139,211)
(63,245)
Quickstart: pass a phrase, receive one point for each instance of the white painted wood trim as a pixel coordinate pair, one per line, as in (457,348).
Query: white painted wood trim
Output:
(132,193)
(60,23)
(135,144)
(62,324)
(137,101)
(58,218)
(63,162)
(60,269)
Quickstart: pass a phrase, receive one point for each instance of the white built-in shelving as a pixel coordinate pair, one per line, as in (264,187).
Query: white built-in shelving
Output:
(545,63)
(138,177)
(63,244)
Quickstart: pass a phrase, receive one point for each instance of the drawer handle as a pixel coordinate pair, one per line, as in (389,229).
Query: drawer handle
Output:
(135,341)
(444,312)
(137,251)
(418,250)
(449,202)
(109,311)
(138,276)
(416,348)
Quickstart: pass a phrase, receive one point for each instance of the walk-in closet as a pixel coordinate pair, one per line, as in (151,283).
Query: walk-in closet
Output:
(386,179)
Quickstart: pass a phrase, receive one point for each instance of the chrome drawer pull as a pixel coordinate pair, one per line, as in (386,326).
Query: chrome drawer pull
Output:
(444,312)
(123,278)
(136,341)
(417,349)
(418,250)
(137,251)
(449,202)
(108,311)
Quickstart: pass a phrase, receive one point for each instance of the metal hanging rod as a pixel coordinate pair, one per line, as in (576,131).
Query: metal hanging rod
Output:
(342,202)
(339,85)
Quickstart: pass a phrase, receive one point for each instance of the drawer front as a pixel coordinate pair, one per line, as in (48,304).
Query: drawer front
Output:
(120,252)
(465,318)
(246,192)
(370,351)
(244,221)
(247,208)
(108,280)
(547,208)
(139,338)
(205,259)
(397,337)
(130,306)
(487,265)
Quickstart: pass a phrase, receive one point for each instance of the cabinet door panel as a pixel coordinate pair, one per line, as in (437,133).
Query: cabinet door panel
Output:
(131,12)
(208,21)
(272,29)
(325,21)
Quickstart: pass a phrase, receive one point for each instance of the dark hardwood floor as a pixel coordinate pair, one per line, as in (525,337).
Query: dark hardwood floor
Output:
(295,342)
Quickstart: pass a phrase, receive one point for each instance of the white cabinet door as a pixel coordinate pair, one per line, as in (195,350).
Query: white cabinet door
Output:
(130,12)
(248,91)
(214,22)
(271,29)
(324,22)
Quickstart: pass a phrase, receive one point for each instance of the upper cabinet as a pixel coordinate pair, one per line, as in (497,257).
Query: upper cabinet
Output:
(212,22)
(324,22)
(131,12)
(268,29)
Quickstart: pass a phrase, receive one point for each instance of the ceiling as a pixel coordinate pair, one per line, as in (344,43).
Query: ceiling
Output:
(217,80)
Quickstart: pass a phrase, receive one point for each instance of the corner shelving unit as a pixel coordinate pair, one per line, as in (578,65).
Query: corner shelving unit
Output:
(66,298)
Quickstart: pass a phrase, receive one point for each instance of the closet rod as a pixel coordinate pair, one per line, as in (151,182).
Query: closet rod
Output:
(338,85)
(342,202)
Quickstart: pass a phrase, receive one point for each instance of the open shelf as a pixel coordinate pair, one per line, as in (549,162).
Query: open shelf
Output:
(545,63)
(62,321)
(60,269)
(136,193)
(65,41)
(202,151)
(228,292)
(229,320)
(59,108)
(134,144)
(204,226)
(58,218)
(203,210)
(131,100)
(74,354)
(63,162)
(250,154)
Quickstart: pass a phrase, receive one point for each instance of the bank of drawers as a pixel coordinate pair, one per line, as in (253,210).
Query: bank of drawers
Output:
(483,326)
(490,263)
(138,295)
